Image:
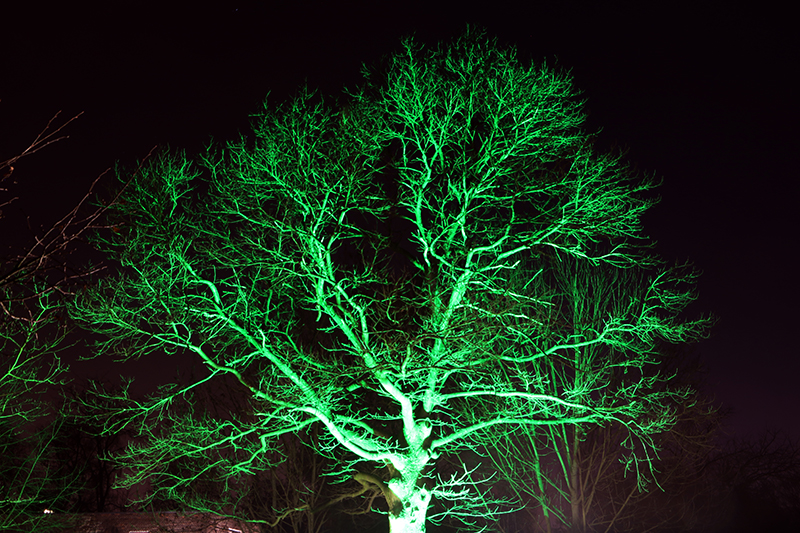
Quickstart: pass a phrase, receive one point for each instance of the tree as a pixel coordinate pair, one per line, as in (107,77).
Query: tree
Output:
(296,496)
(757,482)
(35,278)
(32,331)
(394,251)
(579,482)
(85,450)
(578,475)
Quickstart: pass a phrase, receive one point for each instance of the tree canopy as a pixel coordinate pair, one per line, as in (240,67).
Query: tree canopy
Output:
(430,262)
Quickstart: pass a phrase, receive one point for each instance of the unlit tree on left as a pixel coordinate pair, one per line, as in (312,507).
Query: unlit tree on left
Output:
(33,277)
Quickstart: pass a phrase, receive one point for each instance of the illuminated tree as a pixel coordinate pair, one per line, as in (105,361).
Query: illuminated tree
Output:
(577,479)
(578,475)
(296,496)
(384,269)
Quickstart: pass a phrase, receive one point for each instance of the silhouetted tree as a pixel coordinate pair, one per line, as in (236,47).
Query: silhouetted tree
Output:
(757,482)
(83,447)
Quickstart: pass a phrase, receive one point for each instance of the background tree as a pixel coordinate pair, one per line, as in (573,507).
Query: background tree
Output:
(585,487)
(84,449)
(33,278)
(297,495)
(756,483)
(579,476)
(413,230)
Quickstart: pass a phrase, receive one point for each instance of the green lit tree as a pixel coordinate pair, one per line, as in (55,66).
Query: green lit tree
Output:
(579,475)
(296,496)
(384,269)
(579,481)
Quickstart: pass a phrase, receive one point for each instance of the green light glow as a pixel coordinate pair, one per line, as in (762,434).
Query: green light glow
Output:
(408,272)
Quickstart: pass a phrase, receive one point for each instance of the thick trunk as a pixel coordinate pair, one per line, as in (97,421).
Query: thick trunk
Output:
(411,517)
(407,497)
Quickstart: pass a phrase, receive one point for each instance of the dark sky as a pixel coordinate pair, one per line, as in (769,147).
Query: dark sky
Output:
(700,96)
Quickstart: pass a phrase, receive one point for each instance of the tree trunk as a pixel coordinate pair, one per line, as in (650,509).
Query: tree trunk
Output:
(410,518)
(576,496)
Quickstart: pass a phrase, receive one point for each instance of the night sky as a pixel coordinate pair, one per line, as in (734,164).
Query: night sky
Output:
(699,95)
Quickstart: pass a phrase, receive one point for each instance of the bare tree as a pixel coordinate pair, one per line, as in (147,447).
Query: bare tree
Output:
(757,482)
(413,232)
(585,477)
(84,449)
(34,278)
(295,496)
